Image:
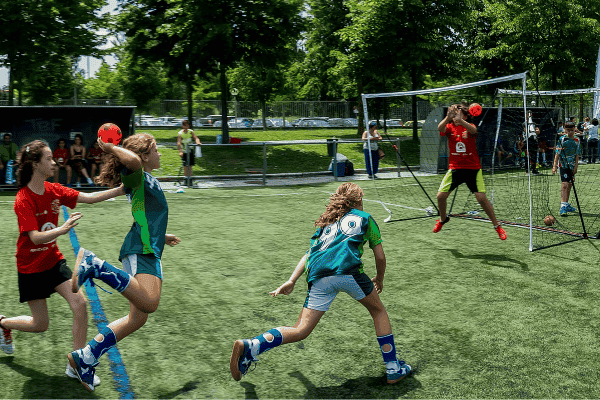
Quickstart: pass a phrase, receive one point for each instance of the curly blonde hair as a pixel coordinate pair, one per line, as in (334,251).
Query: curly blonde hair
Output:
(110,173)
(348,196)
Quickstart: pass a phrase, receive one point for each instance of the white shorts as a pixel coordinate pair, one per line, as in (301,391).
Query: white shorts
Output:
(323,291)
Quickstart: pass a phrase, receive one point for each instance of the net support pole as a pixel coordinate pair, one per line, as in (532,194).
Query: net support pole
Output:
(524,80)
(498,121)
(596,109)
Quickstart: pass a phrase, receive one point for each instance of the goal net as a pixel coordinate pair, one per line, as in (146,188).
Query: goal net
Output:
(516,161)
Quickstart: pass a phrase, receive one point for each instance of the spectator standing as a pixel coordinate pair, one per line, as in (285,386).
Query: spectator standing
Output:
(185,137)
(371,150)
(61,158)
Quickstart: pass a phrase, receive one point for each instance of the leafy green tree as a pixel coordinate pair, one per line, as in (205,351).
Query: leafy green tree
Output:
(391,42)
(36,33)
(556,40)
(195,38)
(104,85)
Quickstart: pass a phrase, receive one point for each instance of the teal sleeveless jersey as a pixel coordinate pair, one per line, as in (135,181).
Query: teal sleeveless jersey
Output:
(150,214)
(337,248)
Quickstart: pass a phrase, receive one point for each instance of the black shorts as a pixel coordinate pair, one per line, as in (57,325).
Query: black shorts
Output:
(192,158)
(40,285)
(566,174)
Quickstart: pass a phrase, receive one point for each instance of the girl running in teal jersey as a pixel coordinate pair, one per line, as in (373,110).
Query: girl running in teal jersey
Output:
(333,265)
(140,280)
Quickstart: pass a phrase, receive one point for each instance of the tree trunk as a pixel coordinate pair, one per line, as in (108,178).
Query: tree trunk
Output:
(224,127)
(190,105)
(11,86)
(263,104)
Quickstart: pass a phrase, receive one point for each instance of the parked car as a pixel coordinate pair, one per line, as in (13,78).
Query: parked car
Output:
(151,122)
(419,123)
(258,123)
(351,122)
(202,122)
(280,123)
(215,117)
(240,123)
(313,122)
(335,122)
(394,122)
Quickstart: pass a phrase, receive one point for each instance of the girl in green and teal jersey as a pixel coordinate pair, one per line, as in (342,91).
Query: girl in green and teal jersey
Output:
(333,264)
(140,280)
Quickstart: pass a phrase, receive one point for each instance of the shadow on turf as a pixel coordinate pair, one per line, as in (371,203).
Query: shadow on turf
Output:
(188,387)
(372,387)
(492,259)
(42,386)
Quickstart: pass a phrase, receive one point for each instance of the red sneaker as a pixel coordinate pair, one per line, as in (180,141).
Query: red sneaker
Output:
(501,232)
(438,226)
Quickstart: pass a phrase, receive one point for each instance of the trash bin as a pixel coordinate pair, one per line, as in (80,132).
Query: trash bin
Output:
(341,169)
(330,147)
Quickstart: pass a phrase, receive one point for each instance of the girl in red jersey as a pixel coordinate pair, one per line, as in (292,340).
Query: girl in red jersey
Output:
(41,267)
(464,164)
(61,158)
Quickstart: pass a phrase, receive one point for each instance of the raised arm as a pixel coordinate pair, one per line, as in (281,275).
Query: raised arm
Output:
(128,158)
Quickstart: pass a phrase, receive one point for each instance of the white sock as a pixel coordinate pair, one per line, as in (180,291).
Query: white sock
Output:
(563,203)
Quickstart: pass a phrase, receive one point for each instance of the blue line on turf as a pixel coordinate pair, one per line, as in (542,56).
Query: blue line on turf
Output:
(114,356)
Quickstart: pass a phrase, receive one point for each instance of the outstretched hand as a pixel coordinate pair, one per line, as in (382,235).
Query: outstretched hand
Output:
(286,288)
(171,240)
(72,221)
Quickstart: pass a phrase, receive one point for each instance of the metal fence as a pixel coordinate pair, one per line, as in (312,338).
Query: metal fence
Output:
(253,109)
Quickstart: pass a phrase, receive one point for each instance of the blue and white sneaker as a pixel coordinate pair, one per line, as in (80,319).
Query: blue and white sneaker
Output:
(6,340)
(399,373)
(563,211)
(85,269)
(241,359)
(71,373)
(570,208)
(85,372)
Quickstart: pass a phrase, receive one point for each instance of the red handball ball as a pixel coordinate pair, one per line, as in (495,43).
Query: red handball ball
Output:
(110,133)
(475,110)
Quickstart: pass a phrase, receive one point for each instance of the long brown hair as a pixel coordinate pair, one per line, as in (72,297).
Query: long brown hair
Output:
(28,155)
(110,173)
(346,197)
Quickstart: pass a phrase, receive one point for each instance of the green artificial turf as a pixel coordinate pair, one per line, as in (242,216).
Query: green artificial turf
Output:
(477,317)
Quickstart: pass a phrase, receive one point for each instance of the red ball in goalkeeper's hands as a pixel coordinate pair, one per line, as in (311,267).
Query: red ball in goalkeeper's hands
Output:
(110,133)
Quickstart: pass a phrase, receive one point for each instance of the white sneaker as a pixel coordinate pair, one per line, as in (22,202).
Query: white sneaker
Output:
(70,372)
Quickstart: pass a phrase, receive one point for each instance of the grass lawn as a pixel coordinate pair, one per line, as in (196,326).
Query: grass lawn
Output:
(280,159)
(475,316)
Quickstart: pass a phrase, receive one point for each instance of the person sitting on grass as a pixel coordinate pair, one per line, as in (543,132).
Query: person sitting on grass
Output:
(140,280)
(41,267)
(566,158)
(464,165)
(332,265)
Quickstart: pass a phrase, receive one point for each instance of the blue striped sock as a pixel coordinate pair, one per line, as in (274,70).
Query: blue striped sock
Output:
(98,348)
(388,356)
(114,277)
